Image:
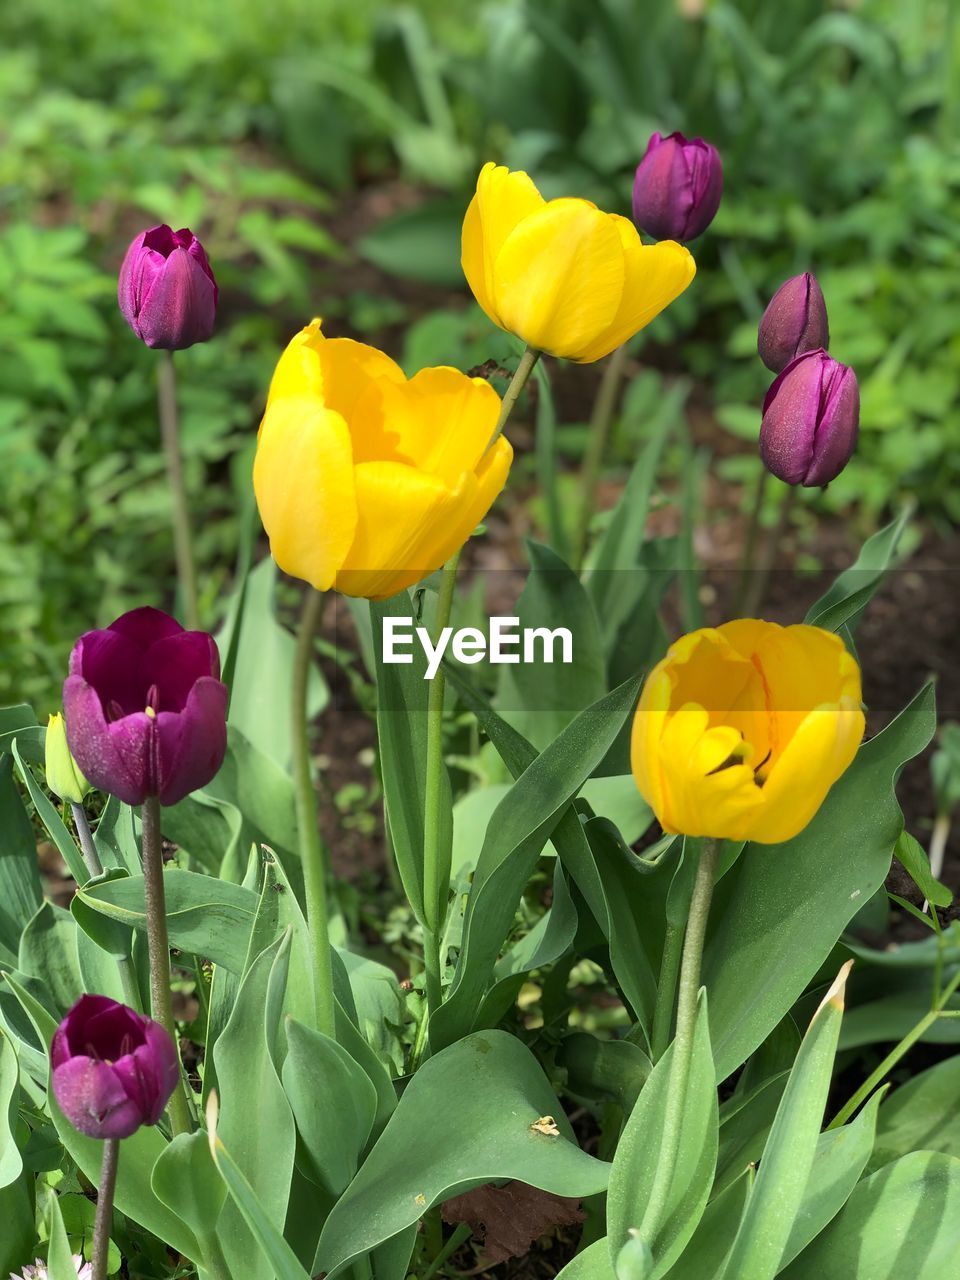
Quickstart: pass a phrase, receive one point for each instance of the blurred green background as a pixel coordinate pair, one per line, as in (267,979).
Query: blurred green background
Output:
(324,151)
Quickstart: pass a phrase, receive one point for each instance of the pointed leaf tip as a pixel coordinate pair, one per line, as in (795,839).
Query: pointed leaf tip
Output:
(836,993)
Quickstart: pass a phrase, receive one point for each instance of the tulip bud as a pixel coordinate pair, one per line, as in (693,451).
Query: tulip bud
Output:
(794,322)
(811,418)
(166,290)
(145,708)
(113,1070)
(678,186)
(63,776)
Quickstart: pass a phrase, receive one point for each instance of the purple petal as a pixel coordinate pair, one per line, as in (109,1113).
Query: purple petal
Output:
(110,662)
(112,759)
(839,427)
(180,307)
(94,1100)
(145,626)
(193,742)
(175,663)
(128,282)
(790,415)
(111,1032)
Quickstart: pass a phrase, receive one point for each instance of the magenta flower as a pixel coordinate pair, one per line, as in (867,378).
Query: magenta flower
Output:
(678,186)
(794,322)
(112,1070)
(811,419)
(166,290)
(145,708)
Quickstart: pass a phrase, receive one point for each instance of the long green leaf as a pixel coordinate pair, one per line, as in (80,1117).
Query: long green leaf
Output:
(844,602)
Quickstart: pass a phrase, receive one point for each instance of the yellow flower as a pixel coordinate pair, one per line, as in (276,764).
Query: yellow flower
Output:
(562,275)
(63,774)
(741,731)
(367,481)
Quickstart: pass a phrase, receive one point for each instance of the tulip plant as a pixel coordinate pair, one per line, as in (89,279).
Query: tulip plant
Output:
(638,875)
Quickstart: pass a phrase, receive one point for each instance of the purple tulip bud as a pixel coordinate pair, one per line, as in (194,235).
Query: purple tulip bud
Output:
(113,1070)
(811,418)
(166,289)
(678,186)
(794,322)
(145,708)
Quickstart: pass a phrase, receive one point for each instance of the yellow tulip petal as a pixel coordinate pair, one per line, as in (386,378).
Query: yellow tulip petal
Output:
(303,478)
(655,274)
(646,733)
(501,201)
(474,496)
(559,277)
(442,421)
(700,796)
(297,372)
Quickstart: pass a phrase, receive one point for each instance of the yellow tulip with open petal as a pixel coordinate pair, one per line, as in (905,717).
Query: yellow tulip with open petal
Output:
(742,730)
(366,480)
(560,274)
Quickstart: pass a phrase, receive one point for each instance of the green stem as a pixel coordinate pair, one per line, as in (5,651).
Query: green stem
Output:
(750,542)
(182,538)
(104,1215)
(436,867)
(313,852)
(131,990)
(689,987)
(603,410)
(758,579)
(877,1076)
(666,991)
(512,394)
(158,948)
(462,1233)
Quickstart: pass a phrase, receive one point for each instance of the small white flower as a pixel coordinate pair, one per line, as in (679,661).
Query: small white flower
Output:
(38,1271)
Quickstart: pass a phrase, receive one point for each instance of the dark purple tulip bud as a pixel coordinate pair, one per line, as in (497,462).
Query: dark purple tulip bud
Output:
(678,186)
(145,708)
(166,289)
(113,1070)
(794,322)
(811,417)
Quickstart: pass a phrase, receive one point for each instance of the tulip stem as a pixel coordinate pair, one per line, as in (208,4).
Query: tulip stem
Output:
(512,394)
(158,948)
(313,851)
(689,988)
(182,538)
(666,991)
(103,1221)
(600,420)
(436,869)
(750,543)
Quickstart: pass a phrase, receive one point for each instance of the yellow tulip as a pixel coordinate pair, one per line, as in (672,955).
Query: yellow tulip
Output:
(366,480)
(742,730)
(560,274)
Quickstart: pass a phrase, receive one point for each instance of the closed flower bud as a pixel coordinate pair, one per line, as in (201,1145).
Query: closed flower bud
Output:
(367,481)
(742,729)
(112,1070)
(145,708)
(678,186)
(811,419)
(63,777)
(166,289)
(794,322)
(562,275)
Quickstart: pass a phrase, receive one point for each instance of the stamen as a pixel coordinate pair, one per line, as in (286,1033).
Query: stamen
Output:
(114,711)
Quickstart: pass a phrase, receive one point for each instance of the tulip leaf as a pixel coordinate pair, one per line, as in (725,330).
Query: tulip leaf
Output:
(541,698)
(52,821)
(48,952)
(904,1220)
(792,901)
(702,1259)
(467,1117)
(60,1263)
(913,858)
(922,1115)
(843,603)
(255,1119)
(592,1263)
(788,1156)
(205,916)
(743,1132)
(116,837)
(20,889)
(639,1153)
(11,1162)
(402,693)
(521,826)
(186,1180)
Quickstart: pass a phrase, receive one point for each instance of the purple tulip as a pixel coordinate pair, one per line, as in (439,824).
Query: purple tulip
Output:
(794,322)
(113,1070)
(166,289)
(678,186)
(145,708)
(811,418)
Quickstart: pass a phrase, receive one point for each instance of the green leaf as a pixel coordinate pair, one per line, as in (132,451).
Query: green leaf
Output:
(592,1263)
(402,693)
(11,1162)
(904,1220)
(523,822)
(604,1070)
(48,952)
(334,1105)
(912,857)
(794,900)
(419,244)
(844,602)
(20,889)
(922,1115)
(186,1180)
(464,1119)
(703,1257)
(639,1153)
(52,821)
(60,1264)
(255,1118)
(744,1131)
(788,1156)
(205,916)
